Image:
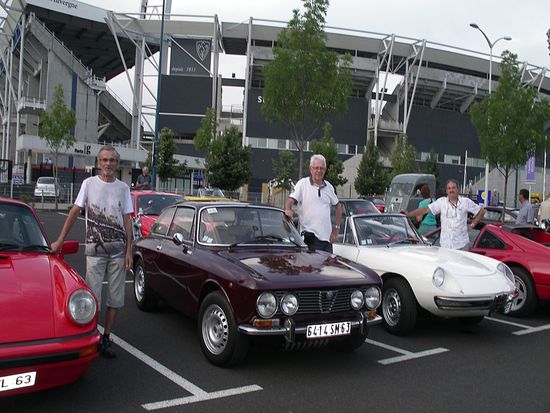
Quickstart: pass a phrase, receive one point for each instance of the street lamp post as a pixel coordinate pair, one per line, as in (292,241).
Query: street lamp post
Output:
(491,45)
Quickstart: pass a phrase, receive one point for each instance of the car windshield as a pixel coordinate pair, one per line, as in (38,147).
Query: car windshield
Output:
(246,225)
(19,229)
(385,230)
(361,206)
(210,192)
(45,180)
(153,204)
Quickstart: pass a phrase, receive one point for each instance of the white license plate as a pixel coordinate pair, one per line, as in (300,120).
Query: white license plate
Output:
(17,380)
(328,330)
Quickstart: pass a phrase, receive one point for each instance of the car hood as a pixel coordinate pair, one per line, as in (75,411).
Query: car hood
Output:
(304,268)
(459,263)
(33,297)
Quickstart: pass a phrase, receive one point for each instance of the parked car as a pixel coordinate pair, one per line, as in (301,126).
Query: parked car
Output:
(523,248)
(48,327)
(493,215)
(208,194)
(416,275)
(244,272)
(378,202)
(47,187)
(147,207)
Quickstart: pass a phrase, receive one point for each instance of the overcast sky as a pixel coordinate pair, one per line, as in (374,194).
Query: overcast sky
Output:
(440,21)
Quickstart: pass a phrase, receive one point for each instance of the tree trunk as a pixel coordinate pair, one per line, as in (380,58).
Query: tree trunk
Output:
(55,174)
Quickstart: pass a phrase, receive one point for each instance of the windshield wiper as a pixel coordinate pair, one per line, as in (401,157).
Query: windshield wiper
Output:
(6,246)
(36,247)
(403,241)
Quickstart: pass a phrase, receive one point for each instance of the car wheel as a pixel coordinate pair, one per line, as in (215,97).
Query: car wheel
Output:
(146,299)
(399,308)
(526,301)
(220,341)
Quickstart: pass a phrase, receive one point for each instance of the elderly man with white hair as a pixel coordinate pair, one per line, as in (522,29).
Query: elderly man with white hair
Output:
(315,197)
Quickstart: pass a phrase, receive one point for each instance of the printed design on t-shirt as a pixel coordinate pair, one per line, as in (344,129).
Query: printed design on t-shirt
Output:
(105,235)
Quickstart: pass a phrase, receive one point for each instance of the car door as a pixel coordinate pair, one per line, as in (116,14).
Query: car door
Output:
(346,244)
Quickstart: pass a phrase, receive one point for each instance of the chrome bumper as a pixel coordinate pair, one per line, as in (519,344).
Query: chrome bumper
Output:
(500,302)
(289,328)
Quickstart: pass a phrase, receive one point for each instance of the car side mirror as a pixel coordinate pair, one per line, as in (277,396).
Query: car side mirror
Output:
(69,247)
(177,238)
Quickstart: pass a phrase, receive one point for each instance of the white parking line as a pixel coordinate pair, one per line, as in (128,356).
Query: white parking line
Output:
(525,329)
(406,355)
(198,394)
(510,323)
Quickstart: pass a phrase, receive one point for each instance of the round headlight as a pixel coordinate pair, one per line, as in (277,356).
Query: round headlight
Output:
(357,300)
(506,271)
(438,277)
(289,304)
(372,298)
(266,305)
(82,307)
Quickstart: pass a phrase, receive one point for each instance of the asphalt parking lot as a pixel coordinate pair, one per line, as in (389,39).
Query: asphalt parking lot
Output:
(443,366)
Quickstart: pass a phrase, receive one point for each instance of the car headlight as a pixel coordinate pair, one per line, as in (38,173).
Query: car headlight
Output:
(438,277)
(357,300)
(82,307)
(266,305)
(289,304)
(373,296)
(506,271)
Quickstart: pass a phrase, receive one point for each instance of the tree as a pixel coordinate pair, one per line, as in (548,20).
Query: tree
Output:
(305,82)
(510,122)
(167,167)
(372,177)
(403,157)
(229,161)
(55,128)
(327,148)
(284,168)
(432,168)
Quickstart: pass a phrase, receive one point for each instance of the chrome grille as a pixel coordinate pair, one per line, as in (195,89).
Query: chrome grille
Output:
(321,301)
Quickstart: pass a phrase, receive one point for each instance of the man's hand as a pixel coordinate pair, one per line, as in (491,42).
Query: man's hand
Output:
(334,235)
(289,213)
(128,261)
(56,246)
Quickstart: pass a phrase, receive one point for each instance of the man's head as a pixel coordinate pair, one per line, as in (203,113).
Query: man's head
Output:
(107,161)
(145,170)
(317,168)
(523,195)
(452,189)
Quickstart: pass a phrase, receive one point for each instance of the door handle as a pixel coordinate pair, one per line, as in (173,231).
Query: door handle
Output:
(159,247)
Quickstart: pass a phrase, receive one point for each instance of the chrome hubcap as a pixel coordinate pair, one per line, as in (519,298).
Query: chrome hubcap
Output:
(215,329)
(139,283)
(391,307)
(519,301)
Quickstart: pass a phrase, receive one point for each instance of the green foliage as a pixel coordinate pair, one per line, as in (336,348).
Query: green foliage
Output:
(372,177)
(510,122)
(229,162)
(433,168)
(305,82)
(403,157)
(284,168)
(167,166)
(327,148)
(56,126)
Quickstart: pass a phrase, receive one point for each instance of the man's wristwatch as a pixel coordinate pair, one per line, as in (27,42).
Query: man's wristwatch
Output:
(337,227)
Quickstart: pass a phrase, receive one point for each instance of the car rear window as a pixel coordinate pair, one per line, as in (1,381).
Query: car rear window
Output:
(45,180)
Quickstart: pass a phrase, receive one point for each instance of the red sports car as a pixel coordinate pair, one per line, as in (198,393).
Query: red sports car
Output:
(525,249)
(147,207)
(48,323)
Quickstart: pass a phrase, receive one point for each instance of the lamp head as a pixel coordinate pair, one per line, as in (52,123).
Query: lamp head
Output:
(475,26)
(507,38)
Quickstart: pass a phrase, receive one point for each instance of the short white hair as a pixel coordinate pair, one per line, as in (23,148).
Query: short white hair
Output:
(318,157)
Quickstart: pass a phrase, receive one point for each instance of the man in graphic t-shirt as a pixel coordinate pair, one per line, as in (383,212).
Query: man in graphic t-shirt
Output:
(108,206)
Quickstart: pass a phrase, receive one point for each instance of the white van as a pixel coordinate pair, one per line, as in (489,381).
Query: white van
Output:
(404,191)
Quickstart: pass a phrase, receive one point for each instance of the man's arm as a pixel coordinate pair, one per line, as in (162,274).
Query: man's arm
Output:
(417,212)
(337,218)
(69,222)
(479,216)
(288,207)
(128,231)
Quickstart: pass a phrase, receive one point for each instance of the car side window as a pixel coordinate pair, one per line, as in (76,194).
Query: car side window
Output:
(490,241)
(161,226)
(182,223)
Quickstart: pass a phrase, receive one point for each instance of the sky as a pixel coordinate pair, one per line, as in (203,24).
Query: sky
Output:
(440,21)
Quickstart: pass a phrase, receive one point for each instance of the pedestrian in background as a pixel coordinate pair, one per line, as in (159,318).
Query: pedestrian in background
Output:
(427,222)
(315,197)
(144,180)
(526,214)
(453,213)
(108,206)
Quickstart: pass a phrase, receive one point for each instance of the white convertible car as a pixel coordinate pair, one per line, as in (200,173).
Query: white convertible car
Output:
(416,275)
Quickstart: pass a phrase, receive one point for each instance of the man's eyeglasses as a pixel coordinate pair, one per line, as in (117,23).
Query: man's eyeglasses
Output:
(112,160)
(318,168)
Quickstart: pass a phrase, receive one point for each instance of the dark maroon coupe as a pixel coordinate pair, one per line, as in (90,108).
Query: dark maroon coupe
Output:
(243,271)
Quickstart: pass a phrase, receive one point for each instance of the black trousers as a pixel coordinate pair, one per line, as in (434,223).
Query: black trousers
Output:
(315,243)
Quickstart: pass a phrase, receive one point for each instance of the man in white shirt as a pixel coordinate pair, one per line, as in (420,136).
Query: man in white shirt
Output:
(315,197)
(544,210)
(453,211)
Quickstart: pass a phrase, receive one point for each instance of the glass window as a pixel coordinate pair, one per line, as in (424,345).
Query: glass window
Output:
(183,223)
(490,241)
(163,222)
(341,148)
(281,144)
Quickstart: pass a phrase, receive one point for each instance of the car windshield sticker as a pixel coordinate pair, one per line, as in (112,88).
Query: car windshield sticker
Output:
(212,210)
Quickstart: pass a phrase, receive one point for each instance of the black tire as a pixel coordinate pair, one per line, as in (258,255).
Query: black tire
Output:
(526,302)
(399,307)
(146,299)
(220,341)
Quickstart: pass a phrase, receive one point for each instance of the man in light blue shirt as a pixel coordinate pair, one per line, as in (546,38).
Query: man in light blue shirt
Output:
(526,214)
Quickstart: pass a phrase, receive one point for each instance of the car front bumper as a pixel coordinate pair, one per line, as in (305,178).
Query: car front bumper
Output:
(489,304)
(289,328)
